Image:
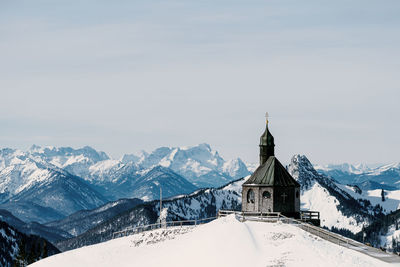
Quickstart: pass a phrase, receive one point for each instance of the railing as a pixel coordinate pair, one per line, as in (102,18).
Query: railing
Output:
(320,232)
(251,216)
(268,217)
(309,215)
(160,225)
(243,216)
(305,216)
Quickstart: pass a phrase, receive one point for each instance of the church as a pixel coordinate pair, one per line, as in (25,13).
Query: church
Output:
(271,188)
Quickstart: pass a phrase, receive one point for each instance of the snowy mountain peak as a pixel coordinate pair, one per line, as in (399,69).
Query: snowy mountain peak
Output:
(235,168)
(344,167)
(51,152)
(300,163)
(303,171)
(200,164)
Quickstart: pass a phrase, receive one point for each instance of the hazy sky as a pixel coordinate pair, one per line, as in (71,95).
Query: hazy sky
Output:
(122,76)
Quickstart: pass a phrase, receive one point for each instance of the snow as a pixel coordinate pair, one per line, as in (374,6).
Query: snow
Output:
(379,170)
(103,166)
(236,186)
(200,165)
(392,198)
(318,198)
(145,198)
(223,242)
(371,170)
(344,167)
(386,240)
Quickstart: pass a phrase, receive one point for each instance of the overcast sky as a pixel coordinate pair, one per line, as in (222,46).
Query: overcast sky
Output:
(123,76)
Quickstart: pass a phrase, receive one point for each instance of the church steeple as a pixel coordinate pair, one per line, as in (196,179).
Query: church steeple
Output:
(266,144)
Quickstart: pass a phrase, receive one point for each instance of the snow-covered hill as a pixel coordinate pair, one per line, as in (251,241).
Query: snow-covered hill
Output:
(391,202)
(223,242)
(320,193)
(198,205)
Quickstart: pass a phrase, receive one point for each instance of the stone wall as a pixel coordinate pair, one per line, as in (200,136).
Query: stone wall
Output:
(266,204)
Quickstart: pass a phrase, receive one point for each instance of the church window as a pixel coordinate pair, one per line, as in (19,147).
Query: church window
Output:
(250,196)
(297,194)
(266,194)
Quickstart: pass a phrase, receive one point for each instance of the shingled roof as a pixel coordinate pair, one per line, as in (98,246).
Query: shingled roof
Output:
(272,173)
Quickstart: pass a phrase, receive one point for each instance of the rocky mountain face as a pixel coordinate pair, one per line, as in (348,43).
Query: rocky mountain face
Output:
(18,249)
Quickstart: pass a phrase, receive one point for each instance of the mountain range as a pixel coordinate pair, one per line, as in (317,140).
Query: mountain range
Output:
(369,178)
(338,208)
(45,184)
(77,197)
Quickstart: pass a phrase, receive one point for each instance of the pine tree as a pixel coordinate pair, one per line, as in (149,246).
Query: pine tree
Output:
(20,260)
(45,252)
(38,252)
(393,243)
(383,195)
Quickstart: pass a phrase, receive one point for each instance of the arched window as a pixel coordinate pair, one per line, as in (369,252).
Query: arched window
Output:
(250,196)
(297,194)
(266,194)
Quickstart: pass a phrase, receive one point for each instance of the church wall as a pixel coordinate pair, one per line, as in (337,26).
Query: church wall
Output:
(249,206)
(266,204)
(287,203)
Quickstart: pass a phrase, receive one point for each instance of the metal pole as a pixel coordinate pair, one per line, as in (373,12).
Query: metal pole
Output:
(160,202)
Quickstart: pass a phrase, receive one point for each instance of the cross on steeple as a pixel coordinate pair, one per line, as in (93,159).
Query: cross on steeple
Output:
(284,197)
(266,143)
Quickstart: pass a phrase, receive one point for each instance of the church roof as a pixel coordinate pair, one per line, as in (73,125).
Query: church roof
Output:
(271,173)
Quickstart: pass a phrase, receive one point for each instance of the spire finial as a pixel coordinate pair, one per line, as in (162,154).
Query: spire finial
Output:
(266,117)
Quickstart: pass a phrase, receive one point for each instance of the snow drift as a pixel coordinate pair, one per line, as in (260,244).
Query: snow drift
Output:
(223,242)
